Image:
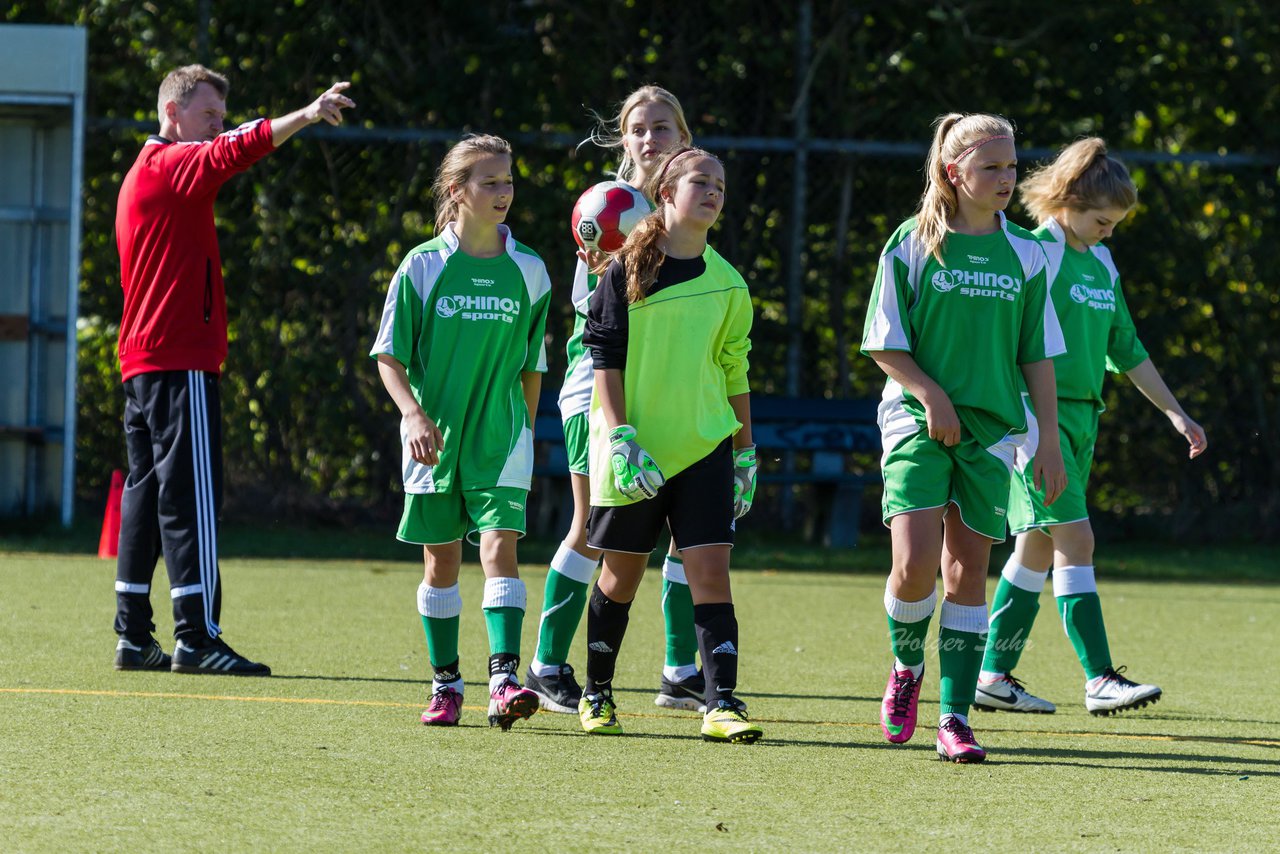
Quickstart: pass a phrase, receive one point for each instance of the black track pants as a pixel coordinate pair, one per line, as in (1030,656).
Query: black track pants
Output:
(172,497)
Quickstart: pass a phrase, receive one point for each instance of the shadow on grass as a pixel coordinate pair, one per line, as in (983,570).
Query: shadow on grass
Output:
(306,677)
(766,742)
(1271,741)
(477,685)
(483,686)
(1232,766)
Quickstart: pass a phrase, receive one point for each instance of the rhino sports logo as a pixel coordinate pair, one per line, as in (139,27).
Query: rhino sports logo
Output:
(977,284)
(1103,299)
(504,309)
(943,281)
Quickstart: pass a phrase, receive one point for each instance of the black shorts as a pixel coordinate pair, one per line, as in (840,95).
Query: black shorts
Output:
(697,504)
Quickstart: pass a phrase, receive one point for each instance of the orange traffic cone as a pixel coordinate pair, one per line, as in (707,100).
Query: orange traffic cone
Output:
(109,542)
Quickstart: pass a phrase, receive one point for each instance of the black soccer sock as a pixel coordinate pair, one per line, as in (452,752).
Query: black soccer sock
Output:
(503,662)
(717,627)
(447,673)
(606,625)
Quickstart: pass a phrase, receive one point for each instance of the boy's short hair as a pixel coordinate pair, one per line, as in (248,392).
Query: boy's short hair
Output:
(180,84)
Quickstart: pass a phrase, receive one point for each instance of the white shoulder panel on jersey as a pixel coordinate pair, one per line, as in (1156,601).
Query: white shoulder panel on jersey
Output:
(1030,252)
(886,332)
(1034,260)
(536,280)
(1055,251)
(422,269)
(1103,254)
(581,293)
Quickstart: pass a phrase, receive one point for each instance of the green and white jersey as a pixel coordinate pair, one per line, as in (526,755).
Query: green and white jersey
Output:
(466,329)
(579,378)
(1085,287)
(968,322)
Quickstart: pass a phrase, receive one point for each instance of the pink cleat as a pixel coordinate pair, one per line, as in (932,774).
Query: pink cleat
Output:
(509,703)
(898,709)
(956,742)
(445,708)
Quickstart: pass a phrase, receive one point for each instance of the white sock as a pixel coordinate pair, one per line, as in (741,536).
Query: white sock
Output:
(679,673)
(1023,577)
(455,685)
(574,565)
(673,571)
(496,680)
(961,718)
(989,676)
(916,669)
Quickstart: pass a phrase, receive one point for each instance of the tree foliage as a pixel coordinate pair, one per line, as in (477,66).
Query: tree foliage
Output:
(311,235)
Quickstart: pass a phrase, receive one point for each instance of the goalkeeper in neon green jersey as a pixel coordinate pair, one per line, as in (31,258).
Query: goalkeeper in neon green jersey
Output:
(460,350)
(649,123)
(958,315)
(1079,199)
(670,422)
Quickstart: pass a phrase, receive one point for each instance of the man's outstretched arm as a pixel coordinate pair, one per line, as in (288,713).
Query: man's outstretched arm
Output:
(328,107)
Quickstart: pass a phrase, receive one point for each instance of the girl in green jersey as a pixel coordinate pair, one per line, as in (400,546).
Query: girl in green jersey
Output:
(460,350)
(1078,199)
(959,317)
(649,123)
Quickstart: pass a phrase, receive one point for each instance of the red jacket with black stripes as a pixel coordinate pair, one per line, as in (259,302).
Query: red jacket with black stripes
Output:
(175,308)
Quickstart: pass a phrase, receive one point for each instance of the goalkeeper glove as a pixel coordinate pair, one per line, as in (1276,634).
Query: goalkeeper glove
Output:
(744,480)
(634,472)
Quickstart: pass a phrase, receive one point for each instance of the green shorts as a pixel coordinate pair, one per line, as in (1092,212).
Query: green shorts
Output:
(576,431)
(921,473)
(437,518)
(1078,432)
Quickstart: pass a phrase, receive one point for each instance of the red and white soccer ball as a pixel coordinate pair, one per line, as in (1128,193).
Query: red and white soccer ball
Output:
(604,215)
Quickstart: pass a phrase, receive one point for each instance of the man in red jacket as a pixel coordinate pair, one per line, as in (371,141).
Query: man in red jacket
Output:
(173,340)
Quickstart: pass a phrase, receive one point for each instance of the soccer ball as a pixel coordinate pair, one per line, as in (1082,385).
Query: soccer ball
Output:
(604,215)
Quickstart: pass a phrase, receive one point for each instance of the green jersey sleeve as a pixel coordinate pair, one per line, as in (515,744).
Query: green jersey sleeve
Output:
(402,316)
(888,326)
(537,358)
(1124,350)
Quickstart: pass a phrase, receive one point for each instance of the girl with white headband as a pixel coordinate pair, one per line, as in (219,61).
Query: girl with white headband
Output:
(958,316)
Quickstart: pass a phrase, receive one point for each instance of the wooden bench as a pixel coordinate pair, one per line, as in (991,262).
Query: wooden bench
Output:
(817,437)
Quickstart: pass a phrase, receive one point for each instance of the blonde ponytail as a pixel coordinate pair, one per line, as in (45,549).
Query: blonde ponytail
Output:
(955,136)
(1082,177)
